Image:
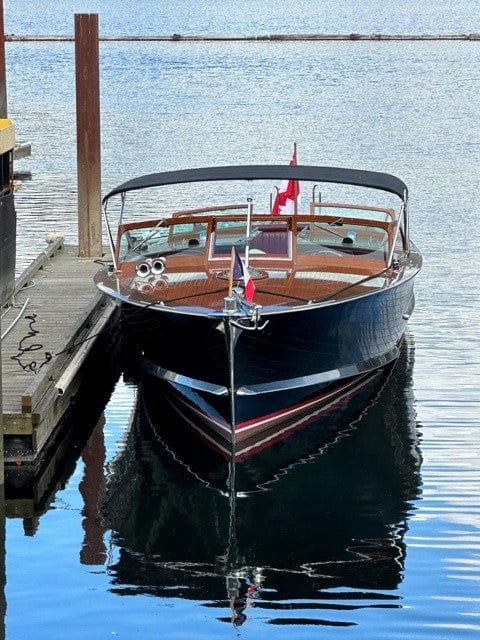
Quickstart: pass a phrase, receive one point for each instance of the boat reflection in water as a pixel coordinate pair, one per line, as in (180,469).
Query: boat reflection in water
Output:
(312,521)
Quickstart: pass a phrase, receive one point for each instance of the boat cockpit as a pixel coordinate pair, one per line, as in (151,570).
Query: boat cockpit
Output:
(208,234)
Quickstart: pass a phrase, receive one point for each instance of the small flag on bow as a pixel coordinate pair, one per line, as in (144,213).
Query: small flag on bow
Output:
(240,272)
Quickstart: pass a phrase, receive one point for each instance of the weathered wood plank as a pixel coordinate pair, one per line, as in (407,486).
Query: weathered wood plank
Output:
(63,307)
(47,378)
(38,263)
(17,424)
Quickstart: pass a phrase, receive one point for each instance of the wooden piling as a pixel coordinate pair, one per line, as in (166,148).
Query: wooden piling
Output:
(88,135)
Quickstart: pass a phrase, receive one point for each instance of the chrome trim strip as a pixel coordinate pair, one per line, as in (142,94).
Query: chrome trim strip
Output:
(278,385)
(319,378)
(186,381)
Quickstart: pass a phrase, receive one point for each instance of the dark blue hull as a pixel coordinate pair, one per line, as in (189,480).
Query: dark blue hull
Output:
(299,360)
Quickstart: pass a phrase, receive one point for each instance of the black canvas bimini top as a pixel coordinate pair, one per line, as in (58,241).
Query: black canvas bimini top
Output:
(355,177)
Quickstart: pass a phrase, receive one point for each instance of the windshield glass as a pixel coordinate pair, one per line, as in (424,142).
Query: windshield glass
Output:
(155,239)
(270,238)
(341,211)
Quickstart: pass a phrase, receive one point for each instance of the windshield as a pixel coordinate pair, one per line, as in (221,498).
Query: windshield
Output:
(155,239)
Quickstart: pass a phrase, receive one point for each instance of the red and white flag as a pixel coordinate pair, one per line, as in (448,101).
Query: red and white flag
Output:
(288,192)
(240,272)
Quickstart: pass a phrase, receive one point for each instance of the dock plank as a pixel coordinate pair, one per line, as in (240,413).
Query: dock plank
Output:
(63,306)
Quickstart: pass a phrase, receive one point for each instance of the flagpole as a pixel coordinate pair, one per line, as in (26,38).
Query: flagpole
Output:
(295,202)
(230,279)
(273,202)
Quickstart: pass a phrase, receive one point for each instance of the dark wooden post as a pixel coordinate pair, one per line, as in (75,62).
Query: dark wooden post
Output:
(3,72)
(88,135)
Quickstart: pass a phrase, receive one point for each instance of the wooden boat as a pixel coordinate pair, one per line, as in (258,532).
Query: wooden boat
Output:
(255,320)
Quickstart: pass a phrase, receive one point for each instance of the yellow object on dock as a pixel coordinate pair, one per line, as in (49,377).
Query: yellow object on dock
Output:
(7,135)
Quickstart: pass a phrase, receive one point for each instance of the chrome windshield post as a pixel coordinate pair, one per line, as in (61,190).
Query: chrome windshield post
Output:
(249,229)
(406,224)
(110,236)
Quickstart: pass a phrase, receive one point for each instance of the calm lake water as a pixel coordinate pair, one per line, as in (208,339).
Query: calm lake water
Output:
(363,526)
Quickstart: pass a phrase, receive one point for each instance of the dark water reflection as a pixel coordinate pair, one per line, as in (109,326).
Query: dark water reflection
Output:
(307,530)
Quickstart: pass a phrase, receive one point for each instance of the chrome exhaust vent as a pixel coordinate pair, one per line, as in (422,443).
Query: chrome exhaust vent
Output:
(143,269)
(157,266)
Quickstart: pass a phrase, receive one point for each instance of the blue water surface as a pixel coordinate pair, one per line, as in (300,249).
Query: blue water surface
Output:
(250,17)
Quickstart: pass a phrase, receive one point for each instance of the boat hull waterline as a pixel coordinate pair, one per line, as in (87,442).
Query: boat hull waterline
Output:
(252,438)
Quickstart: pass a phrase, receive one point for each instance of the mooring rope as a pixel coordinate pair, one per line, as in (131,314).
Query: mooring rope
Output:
(23,348)
(35,367)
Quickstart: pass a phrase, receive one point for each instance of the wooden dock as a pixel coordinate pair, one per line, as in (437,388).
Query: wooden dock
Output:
(58,313)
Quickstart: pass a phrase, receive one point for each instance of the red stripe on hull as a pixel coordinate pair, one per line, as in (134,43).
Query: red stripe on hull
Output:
(253,436)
